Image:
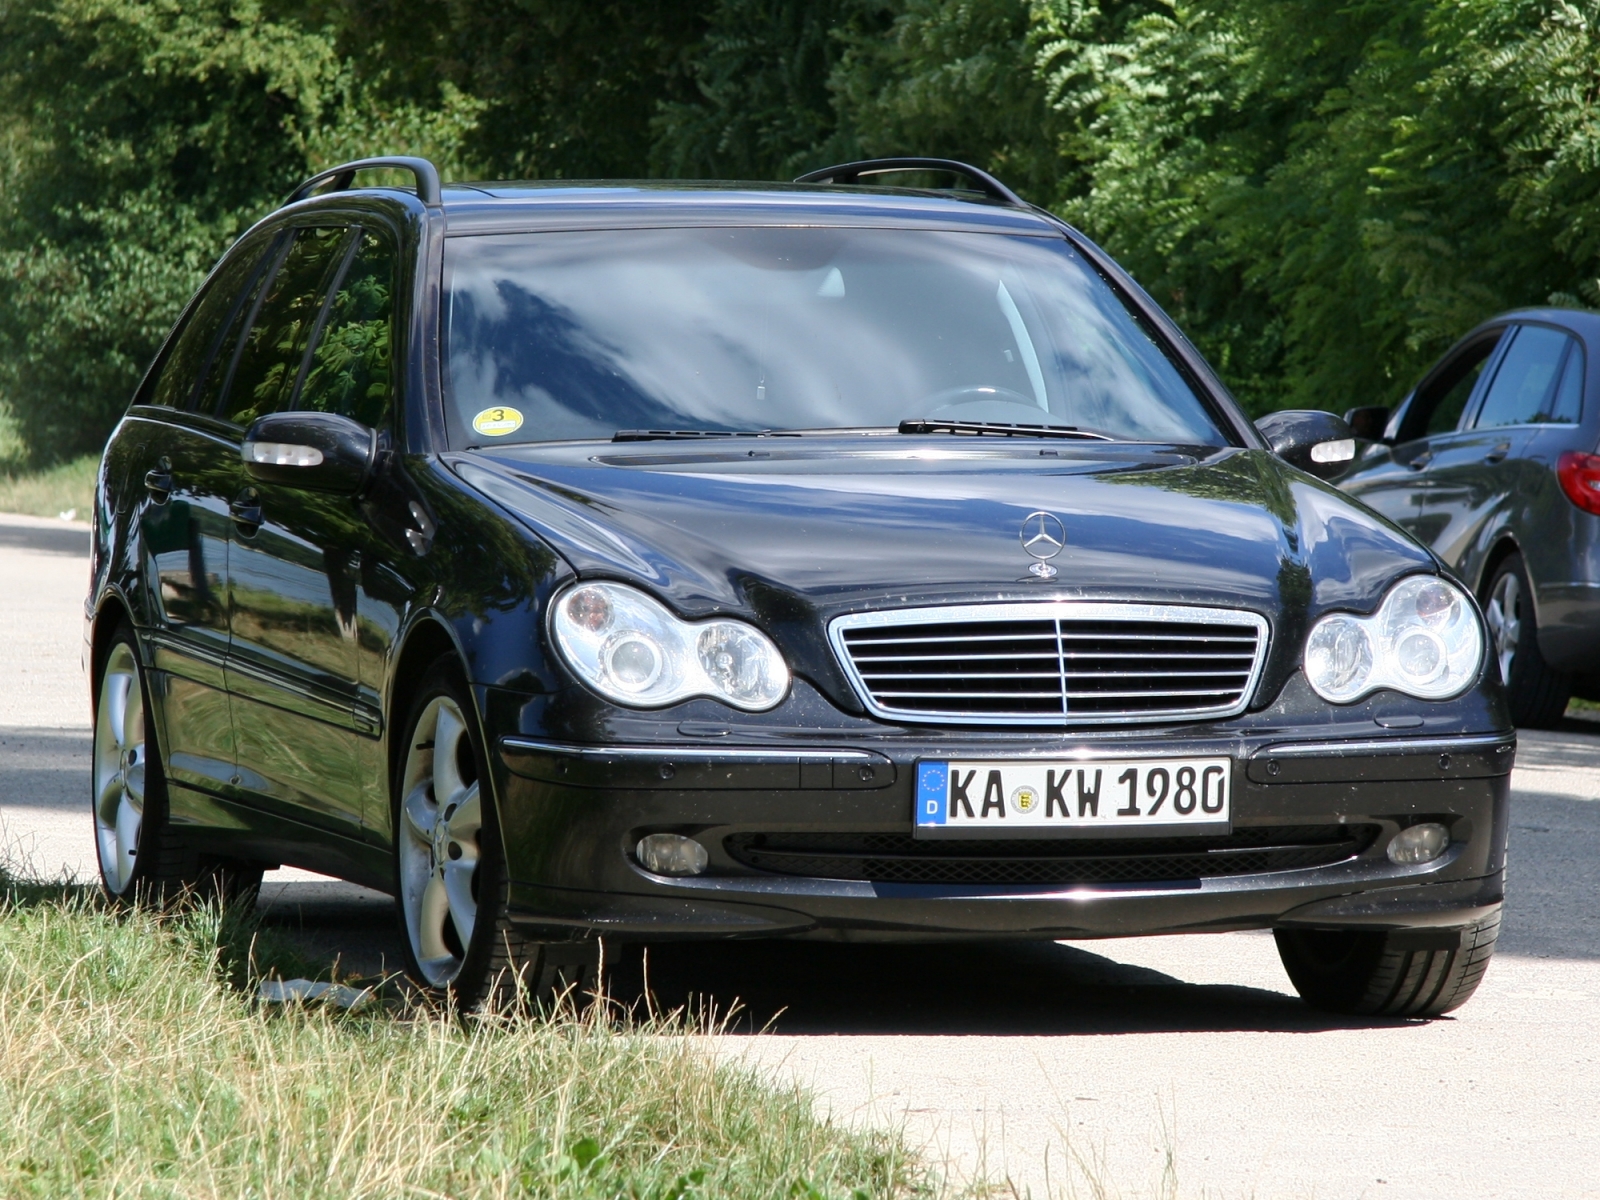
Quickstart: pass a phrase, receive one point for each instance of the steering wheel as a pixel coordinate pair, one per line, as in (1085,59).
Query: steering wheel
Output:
(983,402)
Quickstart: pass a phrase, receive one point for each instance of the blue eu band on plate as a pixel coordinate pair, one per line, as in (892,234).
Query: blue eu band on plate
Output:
(1100,797)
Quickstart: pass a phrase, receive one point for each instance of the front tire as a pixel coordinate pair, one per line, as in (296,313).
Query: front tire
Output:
(1536,693)
(451,886)
(1386,974)
(141,858)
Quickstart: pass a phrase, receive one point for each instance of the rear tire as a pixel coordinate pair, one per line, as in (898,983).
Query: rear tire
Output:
(142,860)
(1536,693)
(1387,974)
(451,887)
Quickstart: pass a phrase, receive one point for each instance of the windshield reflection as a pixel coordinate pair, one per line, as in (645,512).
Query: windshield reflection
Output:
(578,335)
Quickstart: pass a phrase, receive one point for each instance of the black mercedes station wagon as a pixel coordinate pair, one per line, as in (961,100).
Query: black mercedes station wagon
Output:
(829,560)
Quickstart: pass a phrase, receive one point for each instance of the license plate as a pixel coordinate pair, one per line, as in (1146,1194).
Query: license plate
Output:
(1102,798)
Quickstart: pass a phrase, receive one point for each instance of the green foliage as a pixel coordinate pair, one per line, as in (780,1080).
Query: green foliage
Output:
(1324,193)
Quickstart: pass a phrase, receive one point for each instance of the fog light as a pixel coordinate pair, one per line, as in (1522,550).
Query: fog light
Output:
(1418,844)
(671,854)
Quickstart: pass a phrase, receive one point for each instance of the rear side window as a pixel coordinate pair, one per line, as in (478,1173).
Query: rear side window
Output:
(268,360)
(1566,406)
(1525,379)
(198,343)
(349,369)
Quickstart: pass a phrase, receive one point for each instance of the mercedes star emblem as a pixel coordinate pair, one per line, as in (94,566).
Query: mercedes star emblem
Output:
(1043,535)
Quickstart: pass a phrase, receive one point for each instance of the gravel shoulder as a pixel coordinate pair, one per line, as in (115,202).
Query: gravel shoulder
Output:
(1105,1068)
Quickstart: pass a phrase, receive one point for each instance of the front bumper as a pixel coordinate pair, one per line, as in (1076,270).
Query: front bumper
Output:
(571,816)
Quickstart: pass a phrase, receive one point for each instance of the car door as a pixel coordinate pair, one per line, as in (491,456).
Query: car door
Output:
(1390,477)
(189,470)
(291,660)
(1475,474)
(350,371)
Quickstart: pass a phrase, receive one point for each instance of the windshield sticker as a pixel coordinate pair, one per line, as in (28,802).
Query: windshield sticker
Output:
(497,422)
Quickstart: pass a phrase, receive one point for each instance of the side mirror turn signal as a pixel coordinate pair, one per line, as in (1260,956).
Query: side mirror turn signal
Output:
(322,452)
(1314,441)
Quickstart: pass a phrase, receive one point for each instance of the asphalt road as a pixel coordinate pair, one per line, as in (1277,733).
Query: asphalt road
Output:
(1092,1069)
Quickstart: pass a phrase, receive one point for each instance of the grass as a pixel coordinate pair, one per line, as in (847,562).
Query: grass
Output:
(133,1063)
(52,491)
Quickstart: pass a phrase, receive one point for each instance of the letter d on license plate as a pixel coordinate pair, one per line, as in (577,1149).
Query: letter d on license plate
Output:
(1105,798)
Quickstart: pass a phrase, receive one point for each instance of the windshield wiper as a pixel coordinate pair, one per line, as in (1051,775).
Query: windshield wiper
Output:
(999,429)
(665,435)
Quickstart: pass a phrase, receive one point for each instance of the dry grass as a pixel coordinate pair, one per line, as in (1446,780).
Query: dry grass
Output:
(52,491)
(131,1066)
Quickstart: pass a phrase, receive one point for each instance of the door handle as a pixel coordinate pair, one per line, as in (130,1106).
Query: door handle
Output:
(246,511)
(1421,460)
(1498,454)
(158,481)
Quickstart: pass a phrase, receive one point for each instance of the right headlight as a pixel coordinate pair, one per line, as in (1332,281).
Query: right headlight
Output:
(1424,640)
(631,649)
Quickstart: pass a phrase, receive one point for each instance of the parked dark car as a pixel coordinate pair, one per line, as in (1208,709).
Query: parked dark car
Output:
(825,560)
(1491,462)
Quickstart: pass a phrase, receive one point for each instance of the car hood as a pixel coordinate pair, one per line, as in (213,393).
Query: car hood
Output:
(832,524)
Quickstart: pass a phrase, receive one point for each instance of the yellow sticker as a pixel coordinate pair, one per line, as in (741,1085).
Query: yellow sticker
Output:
(497,422)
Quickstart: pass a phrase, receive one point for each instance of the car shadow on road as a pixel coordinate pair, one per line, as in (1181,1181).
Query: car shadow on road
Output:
(1020,988)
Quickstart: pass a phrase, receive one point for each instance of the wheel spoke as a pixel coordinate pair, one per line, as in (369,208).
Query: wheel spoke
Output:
(468,817)
(420,814)
(117,688)
(447,735)
(129,821)
(458,887)
(105,804)
(431,916)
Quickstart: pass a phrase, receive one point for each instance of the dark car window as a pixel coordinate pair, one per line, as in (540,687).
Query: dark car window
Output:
(577,335)
(348,371)
(1440,401)
(1566,404)
(197,344)
(1524,378)
(269,357)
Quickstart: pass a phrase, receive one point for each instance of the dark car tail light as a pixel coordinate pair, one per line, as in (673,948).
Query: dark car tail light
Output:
(1580,479)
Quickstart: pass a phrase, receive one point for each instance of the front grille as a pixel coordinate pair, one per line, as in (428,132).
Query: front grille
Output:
(1052,663)
(899,858)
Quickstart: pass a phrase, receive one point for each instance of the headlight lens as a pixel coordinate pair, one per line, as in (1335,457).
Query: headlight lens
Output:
(630,649)
(1424,640)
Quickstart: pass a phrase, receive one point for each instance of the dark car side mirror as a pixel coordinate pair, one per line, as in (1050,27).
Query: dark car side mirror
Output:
(1368,423)
(322,452)
(1314,441)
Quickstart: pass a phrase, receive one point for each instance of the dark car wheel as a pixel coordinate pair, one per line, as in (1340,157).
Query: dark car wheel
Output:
(1536,692)
(141,858)
(450,877)
(1375,974)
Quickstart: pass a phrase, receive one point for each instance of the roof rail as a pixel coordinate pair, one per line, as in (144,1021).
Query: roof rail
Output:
(853,171)
(428,188)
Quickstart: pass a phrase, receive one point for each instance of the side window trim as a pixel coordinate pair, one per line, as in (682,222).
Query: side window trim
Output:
(276,258)
(317,326)
(251,288)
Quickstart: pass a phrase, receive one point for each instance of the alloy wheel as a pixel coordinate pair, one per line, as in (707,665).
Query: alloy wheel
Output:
(441,817)
(119,769)
(1504,615)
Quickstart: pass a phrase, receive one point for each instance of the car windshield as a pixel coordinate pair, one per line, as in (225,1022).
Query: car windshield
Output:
(555,336)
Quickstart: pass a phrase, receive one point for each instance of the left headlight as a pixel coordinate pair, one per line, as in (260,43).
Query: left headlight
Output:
(631,649)
(1424,640)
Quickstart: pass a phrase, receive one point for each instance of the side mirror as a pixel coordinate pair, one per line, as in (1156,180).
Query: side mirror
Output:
(1314,441)
(322,452)
(1368,423)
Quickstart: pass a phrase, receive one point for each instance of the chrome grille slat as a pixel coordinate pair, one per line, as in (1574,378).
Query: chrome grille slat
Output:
(1052,663)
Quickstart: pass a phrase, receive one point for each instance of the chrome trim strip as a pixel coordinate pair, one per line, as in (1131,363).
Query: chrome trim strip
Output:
(676,753)
(1049,610)
(1387,746)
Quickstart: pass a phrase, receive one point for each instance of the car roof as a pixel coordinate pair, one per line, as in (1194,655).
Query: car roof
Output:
(560,204)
